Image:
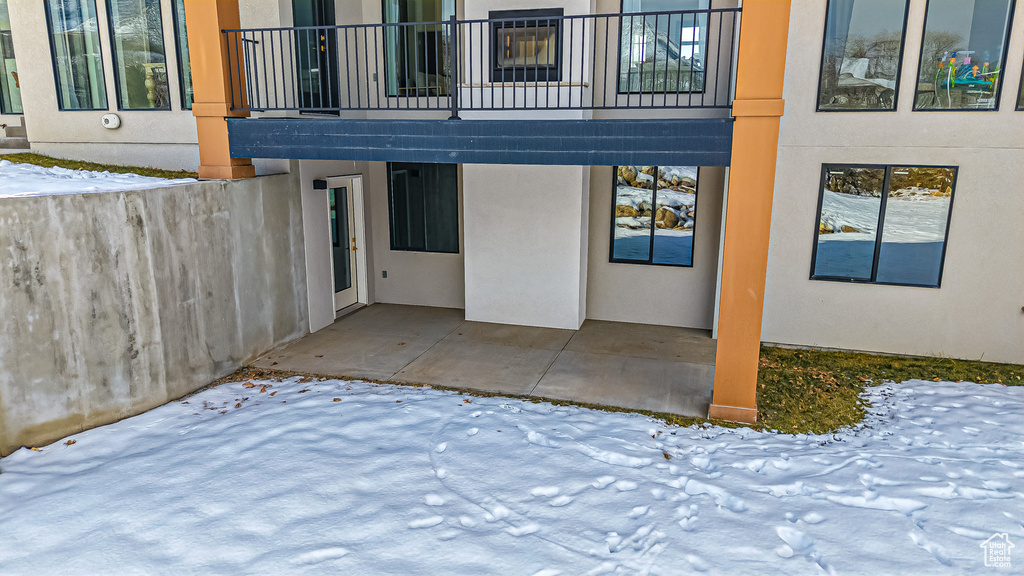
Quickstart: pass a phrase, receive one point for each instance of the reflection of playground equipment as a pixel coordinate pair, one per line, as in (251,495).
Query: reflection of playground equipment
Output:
(957,78)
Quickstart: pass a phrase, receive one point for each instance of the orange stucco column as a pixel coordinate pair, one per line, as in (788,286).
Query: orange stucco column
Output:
(211,76)
(757,109)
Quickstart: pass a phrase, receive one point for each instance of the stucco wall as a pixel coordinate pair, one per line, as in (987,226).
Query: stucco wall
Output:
(977,311)
(668,295)
(118,302)
(526,244)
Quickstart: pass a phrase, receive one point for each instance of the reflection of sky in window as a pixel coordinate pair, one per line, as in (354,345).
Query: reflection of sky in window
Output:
(980,24)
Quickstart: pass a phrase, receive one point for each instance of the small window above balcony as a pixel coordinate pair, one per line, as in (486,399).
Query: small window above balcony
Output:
(526,45)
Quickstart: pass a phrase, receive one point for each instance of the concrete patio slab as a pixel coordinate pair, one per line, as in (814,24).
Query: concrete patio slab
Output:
(412,321)
(640,383)
(658,368)
(479,366)
(509,335)
(644,341)
(345,353)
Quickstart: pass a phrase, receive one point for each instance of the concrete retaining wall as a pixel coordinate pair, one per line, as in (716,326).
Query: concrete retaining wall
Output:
(114,303)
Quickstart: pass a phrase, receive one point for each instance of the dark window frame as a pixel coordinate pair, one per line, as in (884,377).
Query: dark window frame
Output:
(999,83)
(654,200)
(899,67)
(527,74)
(54,65)
(391,214)
(879,229)
(618,64)
(117,73)
(1020,92)
(177,54)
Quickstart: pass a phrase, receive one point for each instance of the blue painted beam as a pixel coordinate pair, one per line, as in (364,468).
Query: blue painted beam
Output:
(671,141)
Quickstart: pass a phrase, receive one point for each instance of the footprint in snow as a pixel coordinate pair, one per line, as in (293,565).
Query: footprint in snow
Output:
(441,473)
(433,500)
(560,501)
(321,555)
(548,572)
(428,522)
(545,491)
(523,530)
(441,447)
(697,563)
(625,485)
(602,482)
(472,431)
(639,511)
(496,513)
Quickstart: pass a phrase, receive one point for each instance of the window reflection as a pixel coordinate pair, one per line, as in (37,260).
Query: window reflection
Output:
(655,210)
(914,232)
(962,54)
(861,60)
(662,53)
(847,224)
(138,42)
(74,37)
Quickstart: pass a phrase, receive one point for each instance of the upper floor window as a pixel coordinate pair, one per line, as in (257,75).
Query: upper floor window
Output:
(654,215)
(140,69)
(862,54)
(884,224)
(10,94)
(75,45)
(184,62)
(662,53)
(416,53)
(962,54)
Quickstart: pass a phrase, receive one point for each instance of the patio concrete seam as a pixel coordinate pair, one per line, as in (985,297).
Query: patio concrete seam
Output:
(552,363)
(439,340)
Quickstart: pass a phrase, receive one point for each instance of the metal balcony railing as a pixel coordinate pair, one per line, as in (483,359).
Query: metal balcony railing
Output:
(533,61)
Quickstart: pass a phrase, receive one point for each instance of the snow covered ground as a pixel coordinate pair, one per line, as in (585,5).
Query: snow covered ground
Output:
(20,180)
(343,477)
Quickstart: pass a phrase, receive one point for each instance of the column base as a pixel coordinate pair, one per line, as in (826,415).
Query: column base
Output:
(733,413)
(227,172)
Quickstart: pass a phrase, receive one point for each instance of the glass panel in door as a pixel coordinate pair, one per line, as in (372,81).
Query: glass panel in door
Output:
(316,54)
(341,245)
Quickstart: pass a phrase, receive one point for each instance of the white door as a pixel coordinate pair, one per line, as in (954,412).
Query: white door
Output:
(343,243)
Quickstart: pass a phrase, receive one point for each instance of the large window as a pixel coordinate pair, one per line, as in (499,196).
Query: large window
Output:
(662,53)
(10,92)
(417,52)
(75,45)
(861,56)
(423,200)
(884,224)
(962,54)
(653,214)
(184,62)
(137,37)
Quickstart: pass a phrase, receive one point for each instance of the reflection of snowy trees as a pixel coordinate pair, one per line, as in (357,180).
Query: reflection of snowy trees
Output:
(662,53)
(139,42)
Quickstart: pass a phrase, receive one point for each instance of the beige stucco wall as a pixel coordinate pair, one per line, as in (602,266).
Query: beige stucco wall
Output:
(117,302)
(164,139)
(977,311)
(668,295)
(526,244)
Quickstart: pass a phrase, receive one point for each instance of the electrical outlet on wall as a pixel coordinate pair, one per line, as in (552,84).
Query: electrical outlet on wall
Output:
(383,273)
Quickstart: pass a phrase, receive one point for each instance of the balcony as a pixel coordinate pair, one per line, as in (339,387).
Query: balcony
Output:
(363,91)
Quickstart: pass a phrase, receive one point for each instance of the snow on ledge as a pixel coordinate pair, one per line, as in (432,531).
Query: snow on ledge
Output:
(25,180)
